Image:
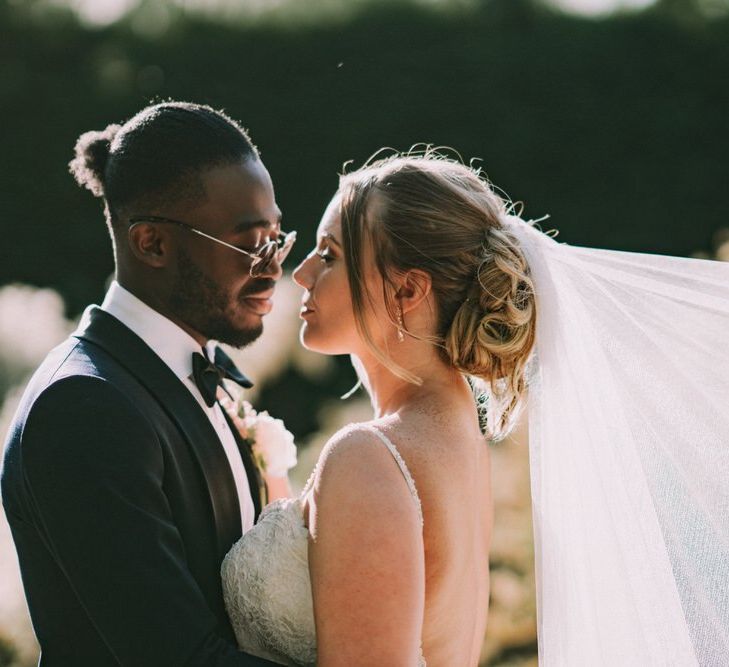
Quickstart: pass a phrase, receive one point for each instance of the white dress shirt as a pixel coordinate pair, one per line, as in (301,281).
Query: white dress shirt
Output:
(175,347)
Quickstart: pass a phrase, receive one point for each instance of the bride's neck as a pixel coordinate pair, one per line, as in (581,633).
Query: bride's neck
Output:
(390,393)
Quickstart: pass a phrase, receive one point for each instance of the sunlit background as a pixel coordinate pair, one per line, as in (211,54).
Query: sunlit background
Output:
(609,115)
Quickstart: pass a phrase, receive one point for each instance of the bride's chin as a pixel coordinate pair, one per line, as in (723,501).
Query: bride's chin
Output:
(307,339)
(317,342)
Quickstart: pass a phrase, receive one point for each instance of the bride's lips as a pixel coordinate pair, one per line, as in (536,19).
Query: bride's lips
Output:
(306,309)
(260,303)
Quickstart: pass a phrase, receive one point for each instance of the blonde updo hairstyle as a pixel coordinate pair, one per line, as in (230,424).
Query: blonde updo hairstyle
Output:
(429,212)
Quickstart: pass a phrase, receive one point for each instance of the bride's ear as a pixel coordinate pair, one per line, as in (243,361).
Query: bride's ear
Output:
(414,287)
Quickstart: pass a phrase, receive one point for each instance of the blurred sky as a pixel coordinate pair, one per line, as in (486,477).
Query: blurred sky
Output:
(102,12)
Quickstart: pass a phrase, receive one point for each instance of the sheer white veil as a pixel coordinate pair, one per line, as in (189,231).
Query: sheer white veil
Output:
(629,453)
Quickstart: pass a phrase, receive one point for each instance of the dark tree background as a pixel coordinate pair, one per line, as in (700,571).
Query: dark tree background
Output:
(617,127)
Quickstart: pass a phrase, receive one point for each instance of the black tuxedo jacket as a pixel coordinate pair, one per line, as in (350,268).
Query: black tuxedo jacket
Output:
(122,505)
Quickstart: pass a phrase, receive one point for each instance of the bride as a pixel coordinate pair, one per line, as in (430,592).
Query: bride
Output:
(421,273)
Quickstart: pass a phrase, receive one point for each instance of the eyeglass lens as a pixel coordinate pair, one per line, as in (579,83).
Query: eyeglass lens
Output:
(267,254)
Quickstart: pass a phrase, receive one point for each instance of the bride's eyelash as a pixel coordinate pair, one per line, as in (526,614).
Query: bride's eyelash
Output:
(327,259)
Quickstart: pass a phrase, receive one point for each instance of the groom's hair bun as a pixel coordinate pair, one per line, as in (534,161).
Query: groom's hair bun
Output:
(424,210)
(157,156)
(92,155)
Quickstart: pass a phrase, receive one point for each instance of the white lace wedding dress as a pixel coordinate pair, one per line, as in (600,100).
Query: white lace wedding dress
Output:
(266,582)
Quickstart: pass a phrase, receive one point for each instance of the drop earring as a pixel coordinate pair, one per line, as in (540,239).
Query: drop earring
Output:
(400,325)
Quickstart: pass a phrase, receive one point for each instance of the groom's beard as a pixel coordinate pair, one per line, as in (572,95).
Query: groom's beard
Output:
(208,309)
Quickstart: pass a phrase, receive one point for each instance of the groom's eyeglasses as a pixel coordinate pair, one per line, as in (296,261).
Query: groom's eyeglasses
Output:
(262,257)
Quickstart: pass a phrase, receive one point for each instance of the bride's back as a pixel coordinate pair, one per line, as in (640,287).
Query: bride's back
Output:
(449,460)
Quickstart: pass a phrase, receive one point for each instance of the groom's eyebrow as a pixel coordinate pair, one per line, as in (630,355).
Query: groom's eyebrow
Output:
(255,224)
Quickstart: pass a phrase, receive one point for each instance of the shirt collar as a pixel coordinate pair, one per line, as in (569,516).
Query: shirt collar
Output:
(171,343)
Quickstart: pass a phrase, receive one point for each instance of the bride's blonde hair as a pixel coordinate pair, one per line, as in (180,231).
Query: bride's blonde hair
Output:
(424,210)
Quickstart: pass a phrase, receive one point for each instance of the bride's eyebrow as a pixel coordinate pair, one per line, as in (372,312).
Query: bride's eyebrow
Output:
(330,237)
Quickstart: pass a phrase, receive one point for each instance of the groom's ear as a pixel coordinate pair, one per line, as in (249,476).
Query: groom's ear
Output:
(149,244)
(415,286)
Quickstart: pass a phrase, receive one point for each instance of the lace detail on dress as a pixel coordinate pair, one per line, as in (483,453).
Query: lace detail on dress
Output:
(266,582)
(267,589)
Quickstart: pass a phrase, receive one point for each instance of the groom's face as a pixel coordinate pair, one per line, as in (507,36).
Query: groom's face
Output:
(212,291)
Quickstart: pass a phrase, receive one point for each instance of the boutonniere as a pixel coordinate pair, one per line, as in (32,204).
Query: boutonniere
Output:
(271,443)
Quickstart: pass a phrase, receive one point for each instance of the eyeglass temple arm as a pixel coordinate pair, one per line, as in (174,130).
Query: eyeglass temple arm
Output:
(227,245)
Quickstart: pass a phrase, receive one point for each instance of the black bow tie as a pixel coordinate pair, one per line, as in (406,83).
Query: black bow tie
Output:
(209,375)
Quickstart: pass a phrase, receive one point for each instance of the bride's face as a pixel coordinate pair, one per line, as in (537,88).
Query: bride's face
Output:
(328,320)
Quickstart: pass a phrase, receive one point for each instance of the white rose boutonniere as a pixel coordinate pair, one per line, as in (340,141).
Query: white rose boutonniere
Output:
(272,444)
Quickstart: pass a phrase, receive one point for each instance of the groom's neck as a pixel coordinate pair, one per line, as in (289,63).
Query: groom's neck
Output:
(157,301)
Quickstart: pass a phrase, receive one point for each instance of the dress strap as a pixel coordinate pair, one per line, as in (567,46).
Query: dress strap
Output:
(401,463)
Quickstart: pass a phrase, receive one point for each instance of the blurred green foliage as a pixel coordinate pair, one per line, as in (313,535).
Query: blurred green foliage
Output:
(8,654)
(616,127)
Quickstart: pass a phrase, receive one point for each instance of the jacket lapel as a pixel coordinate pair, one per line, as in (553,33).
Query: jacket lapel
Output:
(255,481)
(180,405)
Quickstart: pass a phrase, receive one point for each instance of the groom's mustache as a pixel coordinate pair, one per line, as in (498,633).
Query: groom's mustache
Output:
(257,287)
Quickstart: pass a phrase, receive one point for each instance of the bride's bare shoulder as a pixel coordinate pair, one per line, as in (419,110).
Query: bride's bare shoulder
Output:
(352,450)
(355,470)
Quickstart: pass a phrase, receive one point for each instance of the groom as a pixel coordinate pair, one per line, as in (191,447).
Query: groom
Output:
(123,482)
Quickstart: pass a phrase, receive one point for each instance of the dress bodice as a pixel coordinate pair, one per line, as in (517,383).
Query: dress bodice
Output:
(266,583)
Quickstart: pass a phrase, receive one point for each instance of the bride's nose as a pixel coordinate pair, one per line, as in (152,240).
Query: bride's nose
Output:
(303,274)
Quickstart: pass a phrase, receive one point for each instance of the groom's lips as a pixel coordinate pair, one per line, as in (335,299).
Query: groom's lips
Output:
(260,303)
(305,310)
